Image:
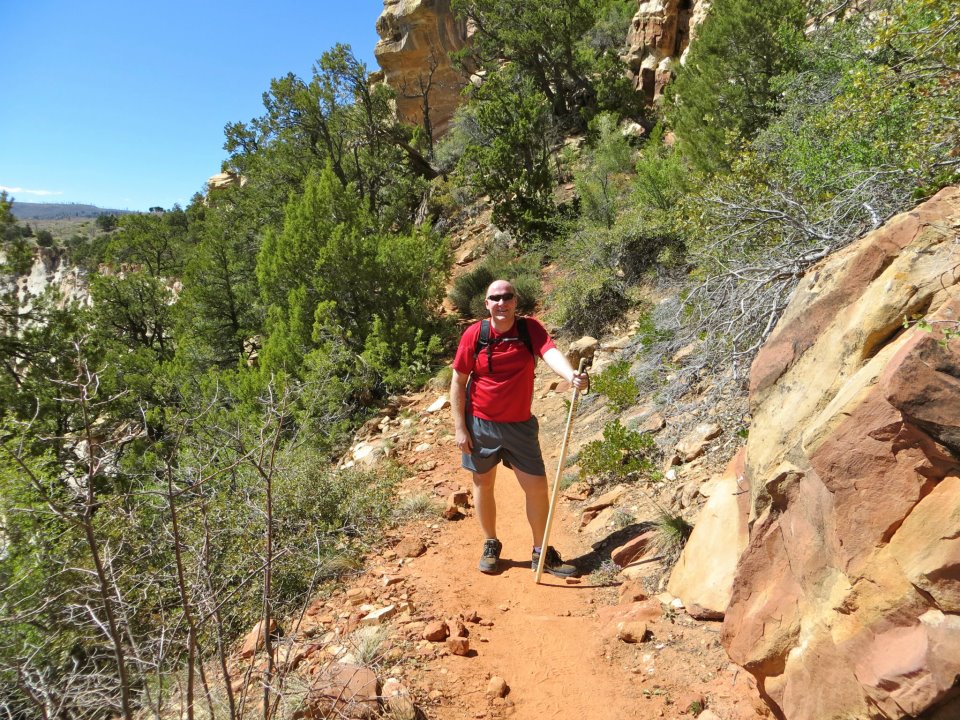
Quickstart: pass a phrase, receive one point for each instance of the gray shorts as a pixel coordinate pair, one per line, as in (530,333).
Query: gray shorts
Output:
(517,444)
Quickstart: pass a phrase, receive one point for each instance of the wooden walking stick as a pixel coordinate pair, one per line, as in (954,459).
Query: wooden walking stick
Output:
(556,482)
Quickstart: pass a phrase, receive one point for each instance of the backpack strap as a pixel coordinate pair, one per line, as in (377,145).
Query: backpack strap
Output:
(484,341)
(524,332)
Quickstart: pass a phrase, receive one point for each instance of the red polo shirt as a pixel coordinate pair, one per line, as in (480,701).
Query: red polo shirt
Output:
(505,394)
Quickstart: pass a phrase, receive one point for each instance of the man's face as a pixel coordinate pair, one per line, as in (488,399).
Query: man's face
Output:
(501,300)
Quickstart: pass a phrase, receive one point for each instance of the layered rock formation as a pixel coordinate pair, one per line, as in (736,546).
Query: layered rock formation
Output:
(416,39)
(659,36)
(49,268)
(846,602)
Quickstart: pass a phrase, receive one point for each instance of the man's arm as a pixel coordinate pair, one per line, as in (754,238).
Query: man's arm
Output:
(558,363)
(458,400)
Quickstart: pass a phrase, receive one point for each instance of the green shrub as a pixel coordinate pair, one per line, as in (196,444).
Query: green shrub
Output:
(671,534)
(588,300)
(620,454)
(470,289)
(618,385)
(648,332)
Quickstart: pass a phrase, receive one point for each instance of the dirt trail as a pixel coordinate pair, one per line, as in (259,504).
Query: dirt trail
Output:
(549,641)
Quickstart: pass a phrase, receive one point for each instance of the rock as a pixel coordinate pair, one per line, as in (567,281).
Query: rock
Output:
(458,645)
(646,422)
(224,180)
(703,576)
(627,340)
(600,522)
(584,348)
(633,549)
(376,617)
(646,611)
(289,654)
(606,500)
(659,35)
(694,443)
(452,512)
(410,547)
(631,592)
(253,642)
(577,491)
(423,447)
(427,466)
(396,699)
(640,569)
(439,404)
(497,687)
(416,40)
(342,690)
(632,631)
(357,596)
(853,477)
(437,631)
(368,454)
(683,353)
(929,560)
(457,628)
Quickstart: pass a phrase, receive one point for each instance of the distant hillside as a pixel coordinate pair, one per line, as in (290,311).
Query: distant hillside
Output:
(59,211)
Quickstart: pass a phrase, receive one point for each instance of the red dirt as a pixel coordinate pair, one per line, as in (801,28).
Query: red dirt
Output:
(547,641)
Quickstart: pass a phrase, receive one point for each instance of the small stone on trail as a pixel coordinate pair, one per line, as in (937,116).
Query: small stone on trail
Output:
(437,631)
(632,631)
(452,512)
(439,404)
(378,616)
(422,447)
(458,645)
(497,687)
(427,466)
(410,547)
(396,698)
(457,628)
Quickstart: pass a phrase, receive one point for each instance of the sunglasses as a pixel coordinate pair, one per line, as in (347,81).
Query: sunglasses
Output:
(498,298)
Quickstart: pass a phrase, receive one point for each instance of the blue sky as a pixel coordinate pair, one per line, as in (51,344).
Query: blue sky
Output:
(123,104)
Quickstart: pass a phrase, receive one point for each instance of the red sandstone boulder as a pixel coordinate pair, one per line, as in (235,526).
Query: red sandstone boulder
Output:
(845,602)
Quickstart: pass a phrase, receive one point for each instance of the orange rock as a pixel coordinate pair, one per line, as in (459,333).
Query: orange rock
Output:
(458,645)
(437,631)
(254,640)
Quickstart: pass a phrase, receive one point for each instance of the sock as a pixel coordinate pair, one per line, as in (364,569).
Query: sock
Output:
(537,549)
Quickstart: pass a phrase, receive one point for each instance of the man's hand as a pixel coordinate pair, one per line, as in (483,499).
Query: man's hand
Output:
(581,381)
(464,442)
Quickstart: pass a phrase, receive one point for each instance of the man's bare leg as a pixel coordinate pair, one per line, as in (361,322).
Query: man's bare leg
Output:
(538,503)
(484,501)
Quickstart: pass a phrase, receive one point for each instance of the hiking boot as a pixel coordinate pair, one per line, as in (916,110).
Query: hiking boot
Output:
(554,564)
(491,556)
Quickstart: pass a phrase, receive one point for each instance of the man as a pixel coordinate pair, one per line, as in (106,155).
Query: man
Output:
(493,421)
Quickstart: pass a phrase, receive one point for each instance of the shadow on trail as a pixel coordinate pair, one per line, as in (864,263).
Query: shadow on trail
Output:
(600,553)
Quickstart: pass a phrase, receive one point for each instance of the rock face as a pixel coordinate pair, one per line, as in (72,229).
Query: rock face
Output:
(659,36)
(846,601)
(50,267)
(416,39)
(703,576)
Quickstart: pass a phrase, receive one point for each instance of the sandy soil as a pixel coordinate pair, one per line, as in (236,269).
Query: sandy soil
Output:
(551,643)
